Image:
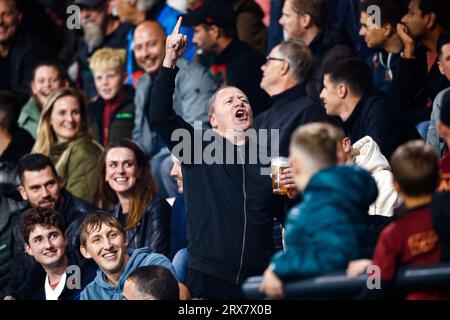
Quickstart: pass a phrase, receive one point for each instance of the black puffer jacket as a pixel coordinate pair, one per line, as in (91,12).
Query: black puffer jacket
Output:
(153,231)
(73,211)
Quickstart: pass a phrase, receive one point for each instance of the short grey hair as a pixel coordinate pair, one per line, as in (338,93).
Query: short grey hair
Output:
(300,58)
(212,100)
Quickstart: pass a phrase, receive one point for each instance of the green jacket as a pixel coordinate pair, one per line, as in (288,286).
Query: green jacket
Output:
(77,163)
(9,216)
(122,120)
(29,117)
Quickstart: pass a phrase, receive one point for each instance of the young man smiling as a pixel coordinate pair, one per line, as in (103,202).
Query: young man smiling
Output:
(50,278)
(104,240)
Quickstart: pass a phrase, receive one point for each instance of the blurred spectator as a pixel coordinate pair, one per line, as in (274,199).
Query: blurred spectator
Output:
(443,125)
(126,180)
(419,79)
(14,144)
(100,30)
(384,39)
(307,20)
(249,22)
(48,76)
(9,217)
(193,87)
(151,283)
(178,238)
(285,73)
(41,187)
(19,51)
(234,63)
(103,239)
(46,241)
(433,137)
(137,11)
(63,135)
(330,227)
(410,240)
(346,94)
(275,30)
(111,116)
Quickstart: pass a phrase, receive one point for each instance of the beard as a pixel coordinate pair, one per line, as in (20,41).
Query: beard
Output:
(93,35)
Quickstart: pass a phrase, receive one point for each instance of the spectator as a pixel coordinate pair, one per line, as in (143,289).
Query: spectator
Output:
(129,183)
(346,94)
(14,144)
(419,80)
(64,137)
(41,187)
(307,20)
(384,39)
(112,114)
(136,12)
(9,217)
(234,239)
(433,137)
(100,30)
(19,52)
(151,283)
(104,240)
(193,87)
(411,239)
(234,62)
(46,242)
(285,73)
(48,76)
(331,226)
(444,131)
(249,23)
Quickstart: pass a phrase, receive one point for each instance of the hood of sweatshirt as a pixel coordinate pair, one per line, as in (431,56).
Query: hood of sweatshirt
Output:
(115,292)
(366,153)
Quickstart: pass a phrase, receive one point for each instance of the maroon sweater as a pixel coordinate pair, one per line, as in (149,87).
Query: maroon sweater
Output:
(408,241)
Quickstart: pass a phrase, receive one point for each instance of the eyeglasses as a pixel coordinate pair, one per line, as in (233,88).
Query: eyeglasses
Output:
(268,58)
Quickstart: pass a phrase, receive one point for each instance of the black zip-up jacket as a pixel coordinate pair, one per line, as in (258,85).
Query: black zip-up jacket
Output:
(230,207)
(73,211)
(153,231)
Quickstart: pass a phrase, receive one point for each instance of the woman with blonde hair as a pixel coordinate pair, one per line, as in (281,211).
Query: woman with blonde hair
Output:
(64,137)
(126,180)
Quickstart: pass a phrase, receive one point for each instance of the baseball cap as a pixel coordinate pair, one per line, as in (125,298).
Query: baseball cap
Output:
(89,3)
(445,109)
(211,12)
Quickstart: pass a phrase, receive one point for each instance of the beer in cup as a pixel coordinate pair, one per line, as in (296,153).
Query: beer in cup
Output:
(278,164)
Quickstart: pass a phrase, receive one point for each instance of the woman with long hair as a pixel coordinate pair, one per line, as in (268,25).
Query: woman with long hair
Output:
(64,137)
(126,179)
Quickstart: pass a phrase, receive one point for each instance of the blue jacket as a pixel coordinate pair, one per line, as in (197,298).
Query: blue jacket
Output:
(101,289)
(330,226)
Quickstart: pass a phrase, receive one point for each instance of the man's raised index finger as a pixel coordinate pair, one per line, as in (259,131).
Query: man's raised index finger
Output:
(176,29)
